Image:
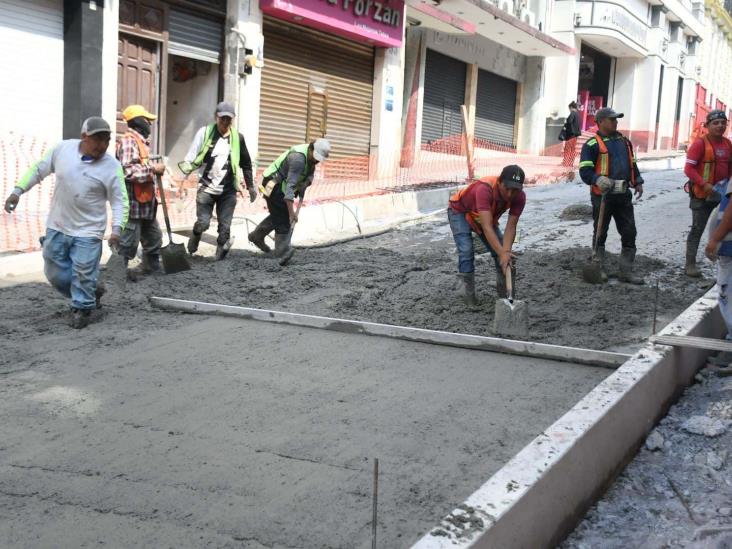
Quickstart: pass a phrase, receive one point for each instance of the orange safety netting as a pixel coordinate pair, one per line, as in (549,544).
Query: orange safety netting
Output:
(436,163)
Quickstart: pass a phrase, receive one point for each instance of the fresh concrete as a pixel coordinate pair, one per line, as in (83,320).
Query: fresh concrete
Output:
(233,433)
(553,480)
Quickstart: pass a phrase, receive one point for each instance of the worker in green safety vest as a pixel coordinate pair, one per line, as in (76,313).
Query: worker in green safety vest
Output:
(286,178)
(219,153)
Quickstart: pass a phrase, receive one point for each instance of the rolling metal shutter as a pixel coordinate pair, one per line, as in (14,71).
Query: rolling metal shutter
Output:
(444,92)
(194,36)
(315,85)
(495,109)
(32,54)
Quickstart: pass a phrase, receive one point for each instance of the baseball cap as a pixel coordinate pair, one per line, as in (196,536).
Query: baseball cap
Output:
(607,112)
(321,149)
(94,125)
(133,111)
(716,114)
(225,109)
(512,177)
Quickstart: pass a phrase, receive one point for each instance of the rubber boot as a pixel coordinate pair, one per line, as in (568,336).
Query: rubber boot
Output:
(256,237)
(691,270)
(601,259)
(627,257)
(282,244)
(79,318)
(223,249)
(99,292)
(193,243)
(150,263)
(501,291)
(468,282)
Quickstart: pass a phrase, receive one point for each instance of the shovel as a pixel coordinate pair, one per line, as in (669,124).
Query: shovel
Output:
(285,259)
(115,270)
(592,271)
(511,316)
(173,255)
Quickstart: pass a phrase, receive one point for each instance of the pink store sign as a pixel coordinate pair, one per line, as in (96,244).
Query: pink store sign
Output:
(377,22)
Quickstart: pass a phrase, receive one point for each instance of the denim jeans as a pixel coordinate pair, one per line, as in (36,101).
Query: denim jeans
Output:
(724,282)
(462,233)
(225,204)
(71,264)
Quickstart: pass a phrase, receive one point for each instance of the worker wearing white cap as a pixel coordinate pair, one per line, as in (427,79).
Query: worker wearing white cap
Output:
(284,179)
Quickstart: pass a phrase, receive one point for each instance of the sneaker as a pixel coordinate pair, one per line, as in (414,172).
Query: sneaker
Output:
(79,318)
(223,249)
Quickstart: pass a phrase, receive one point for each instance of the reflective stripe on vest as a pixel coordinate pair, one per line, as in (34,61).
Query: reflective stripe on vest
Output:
(275,166)
(708,172)
(473,217)
(602,165)
(233,151)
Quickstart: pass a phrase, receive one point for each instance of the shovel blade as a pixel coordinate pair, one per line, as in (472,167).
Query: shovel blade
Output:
(116,271)
(174,258)
(592,272)
(511,319)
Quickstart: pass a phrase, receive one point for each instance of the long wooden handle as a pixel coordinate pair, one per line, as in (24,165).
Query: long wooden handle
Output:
(600,223)
(509,284)
(165,207)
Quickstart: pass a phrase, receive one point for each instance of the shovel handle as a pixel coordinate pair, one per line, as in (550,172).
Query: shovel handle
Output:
(509,283)
(297,214)
(600,223)
(159,181)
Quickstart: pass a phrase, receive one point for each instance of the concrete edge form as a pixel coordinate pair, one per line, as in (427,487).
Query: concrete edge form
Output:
(481,343)
(539,496)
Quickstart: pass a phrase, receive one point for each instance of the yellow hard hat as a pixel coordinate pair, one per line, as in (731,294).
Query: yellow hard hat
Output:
(133,111)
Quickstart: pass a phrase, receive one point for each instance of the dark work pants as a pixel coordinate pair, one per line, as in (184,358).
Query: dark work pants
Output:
(279,216)
(225,204)
(700,211)
(620,208)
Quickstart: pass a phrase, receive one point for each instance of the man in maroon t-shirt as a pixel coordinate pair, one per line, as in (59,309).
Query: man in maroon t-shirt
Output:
(477,208)
(707,164)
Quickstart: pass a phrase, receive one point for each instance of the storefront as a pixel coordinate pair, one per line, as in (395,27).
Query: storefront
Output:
(170,59)
(318,75)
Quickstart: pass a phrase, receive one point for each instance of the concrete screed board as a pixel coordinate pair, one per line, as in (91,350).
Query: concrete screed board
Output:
(229,433)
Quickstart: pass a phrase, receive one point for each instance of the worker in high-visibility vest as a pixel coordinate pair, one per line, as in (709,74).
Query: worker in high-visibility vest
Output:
(608,166)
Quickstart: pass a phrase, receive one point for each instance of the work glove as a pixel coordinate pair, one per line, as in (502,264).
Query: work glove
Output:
(252,194)
(604,183)
(11,202)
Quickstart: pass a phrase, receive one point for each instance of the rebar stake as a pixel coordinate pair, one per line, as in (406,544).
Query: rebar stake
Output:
(375,503)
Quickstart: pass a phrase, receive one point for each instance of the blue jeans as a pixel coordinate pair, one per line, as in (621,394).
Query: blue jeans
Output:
(462,233)
(71,264)
(724,281)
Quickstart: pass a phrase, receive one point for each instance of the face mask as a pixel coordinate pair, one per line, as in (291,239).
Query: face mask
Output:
(141,125)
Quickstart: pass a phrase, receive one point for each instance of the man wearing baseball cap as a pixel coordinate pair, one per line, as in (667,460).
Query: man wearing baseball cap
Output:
(86,179)
(283,180)
(607,165)
(708,168)
(477,208)
(134,154)
(219,154)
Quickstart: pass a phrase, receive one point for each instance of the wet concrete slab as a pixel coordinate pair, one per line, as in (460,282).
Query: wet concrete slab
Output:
(229,433)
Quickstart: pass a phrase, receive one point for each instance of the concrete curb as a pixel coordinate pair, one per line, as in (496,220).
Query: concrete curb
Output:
(539,496)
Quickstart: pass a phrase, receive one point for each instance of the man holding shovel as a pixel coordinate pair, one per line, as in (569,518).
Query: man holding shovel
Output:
(607,165)
(219,153)
(477,208)
(86,179)
(134,154)
(286,178)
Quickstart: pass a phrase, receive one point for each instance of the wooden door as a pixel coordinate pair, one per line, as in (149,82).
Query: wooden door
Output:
(138,79)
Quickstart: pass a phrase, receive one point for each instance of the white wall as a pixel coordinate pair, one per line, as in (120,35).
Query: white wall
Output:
(386,117)
(190,105)
(110,45)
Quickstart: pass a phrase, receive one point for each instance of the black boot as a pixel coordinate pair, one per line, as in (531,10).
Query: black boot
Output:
(79,318)
(468,289)
(150,263)
(627,258)
(223,249)
(601,259)
(256,237)
(193,243)
(692,246)
(282,244)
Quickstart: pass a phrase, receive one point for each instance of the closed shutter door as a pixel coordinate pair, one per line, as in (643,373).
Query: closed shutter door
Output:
(194,36)
(444,93)
(32,53)
(495,109)
(315,85)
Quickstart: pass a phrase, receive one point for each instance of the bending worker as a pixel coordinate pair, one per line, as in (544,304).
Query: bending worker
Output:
(477,208)
(707,164)
(286,178)
(219,152)
(607,164)
(134,154)
(86,179)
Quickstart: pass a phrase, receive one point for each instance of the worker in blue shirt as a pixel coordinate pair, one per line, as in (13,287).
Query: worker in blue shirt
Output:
(607,164)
